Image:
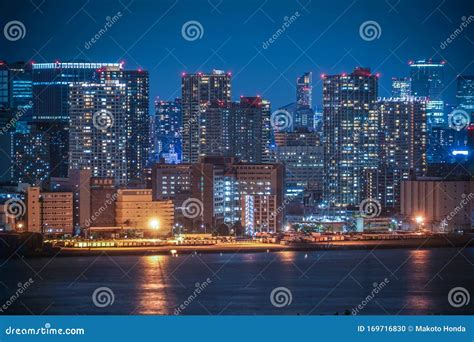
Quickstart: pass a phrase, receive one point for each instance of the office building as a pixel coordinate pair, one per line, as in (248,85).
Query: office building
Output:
(350,133)
(304,91)
(217,185)
(30,158)
(465,93)
(167,129)
(50,213)
(135,208)
(51,108)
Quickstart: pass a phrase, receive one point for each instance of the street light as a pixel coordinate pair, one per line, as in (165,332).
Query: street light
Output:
(154,224)
(419,219)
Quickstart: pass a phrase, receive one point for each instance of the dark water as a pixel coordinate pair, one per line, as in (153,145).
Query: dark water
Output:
(319,282)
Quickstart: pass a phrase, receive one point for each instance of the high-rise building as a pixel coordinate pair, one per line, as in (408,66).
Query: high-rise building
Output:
(237,129)
(138,120)
(167,129)
(30,157)
(51,108)
(198,91)
(465,93)
(427,81)
(402,146)
(350,133)
(304,91)
(98,129)
(138,123)
(303,115)
(401,87)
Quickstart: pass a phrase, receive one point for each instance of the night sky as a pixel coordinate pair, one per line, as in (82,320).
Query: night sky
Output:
(324,38)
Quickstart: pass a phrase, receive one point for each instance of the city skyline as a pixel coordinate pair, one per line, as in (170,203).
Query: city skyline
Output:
(258,67)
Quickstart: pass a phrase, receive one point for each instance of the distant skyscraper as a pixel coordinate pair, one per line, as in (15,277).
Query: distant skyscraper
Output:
(138,118)
(98,130)
(402,146)
(30,157)
(51,109)
(237,129)
(465,93)
(198,91)
(401,87)
(350,133)
(167,128)
(304,91)
(427,80)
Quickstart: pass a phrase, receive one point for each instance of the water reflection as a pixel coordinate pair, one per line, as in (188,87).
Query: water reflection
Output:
(153,285)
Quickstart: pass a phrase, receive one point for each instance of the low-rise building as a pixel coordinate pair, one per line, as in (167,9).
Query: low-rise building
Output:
(438,204)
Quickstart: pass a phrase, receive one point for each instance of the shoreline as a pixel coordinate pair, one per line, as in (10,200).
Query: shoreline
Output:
(422,243)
